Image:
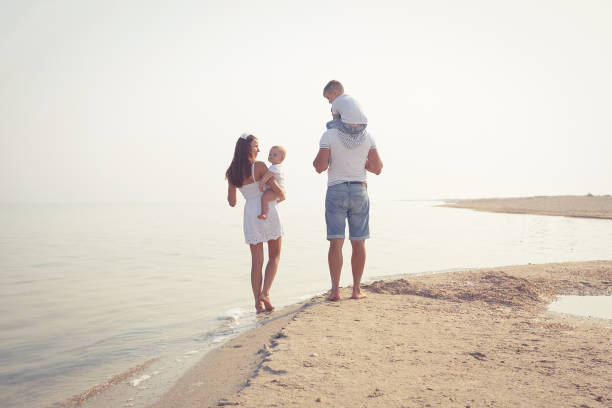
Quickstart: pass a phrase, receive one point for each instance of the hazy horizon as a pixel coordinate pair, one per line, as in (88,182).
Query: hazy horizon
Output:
(143,101)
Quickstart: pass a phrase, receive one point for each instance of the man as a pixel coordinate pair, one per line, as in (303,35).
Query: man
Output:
(346,157)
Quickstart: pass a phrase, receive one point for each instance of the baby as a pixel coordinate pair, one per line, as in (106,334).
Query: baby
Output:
(346,112)
(276,157)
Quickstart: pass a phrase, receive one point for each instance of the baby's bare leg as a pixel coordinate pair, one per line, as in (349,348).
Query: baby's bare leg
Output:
(267,196)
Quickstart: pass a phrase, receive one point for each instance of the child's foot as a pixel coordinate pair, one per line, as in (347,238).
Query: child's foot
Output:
(262,216)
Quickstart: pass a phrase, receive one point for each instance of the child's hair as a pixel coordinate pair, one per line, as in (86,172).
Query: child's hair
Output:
(240,168)
(281,149)
(333,85)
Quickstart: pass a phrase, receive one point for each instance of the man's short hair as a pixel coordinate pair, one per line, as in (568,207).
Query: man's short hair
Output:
(333,85)
(281,149)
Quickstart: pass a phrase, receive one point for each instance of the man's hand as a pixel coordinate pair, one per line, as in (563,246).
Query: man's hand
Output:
(321,162)
(373,162)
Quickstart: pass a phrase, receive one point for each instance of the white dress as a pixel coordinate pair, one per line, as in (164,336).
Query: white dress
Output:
(257,230)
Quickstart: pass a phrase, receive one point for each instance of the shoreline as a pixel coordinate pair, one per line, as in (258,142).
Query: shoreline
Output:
(158,379)
(145,383)
(161,376)
(457,338)
(589,206)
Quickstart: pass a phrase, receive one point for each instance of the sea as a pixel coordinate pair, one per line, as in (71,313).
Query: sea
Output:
(91,290)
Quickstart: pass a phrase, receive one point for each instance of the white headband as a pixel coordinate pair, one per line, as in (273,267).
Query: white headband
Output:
(244,136)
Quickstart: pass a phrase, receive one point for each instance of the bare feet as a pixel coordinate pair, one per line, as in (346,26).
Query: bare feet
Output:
(333,296)
(266,302)
(262,216)
(358,295)
(258,306)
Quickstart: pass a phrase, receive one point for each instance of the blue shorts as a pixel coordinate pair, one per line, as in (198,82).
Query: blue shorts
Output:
(345,127)
(348,200)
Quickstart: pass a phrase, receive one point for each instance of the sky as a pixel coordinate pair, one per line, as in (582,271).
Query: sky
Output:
(139,101)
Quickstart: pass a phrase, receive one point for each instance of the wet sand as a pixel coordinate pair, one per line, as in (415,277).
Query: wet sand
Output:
(568,206)
(470,338)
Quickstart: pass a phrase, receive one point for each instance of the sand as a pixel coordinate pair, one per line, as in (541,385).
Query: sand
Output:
(477,338)
(570,206)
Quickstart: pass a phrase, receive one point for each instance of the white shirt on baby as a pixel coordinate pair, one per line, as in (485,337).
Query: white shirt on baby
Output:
(279,174)
(349,110)
(346,164)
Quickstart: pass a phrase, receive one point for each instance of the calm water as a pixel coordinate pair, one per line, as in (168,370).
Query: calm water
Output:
(88,291)
(589,306)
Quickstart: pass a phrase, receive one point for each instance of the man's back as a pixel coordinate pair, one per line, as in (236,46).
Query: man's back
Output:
(346,164)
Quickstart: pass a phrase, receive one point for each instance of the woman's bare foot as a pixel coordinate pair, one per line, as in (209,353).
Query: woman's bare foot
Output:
(266,302)
(259,307)
(262,216)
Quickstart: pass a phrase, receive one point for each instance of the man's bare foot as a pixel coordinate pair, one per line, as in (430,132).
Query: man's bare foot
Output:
(259,307)
(358,295)
(262,216)
(266,302)
(333,296)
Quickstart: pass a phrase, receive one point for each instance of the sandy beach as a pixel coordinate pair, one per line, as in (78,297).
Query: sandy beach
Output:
(477,338)
(569,206)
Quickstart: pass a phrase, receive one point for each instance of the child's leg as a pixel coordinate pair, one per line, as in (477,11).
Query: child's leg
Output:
(352,129)
(334,124)
(266,197)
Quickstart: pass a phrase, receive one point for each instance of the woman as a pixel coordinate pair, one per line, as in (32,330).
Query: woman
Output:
(244,173)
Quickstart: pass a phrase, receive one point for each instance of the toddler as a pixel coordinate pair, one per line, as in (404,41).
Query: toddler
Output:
(346,112)
(276,157)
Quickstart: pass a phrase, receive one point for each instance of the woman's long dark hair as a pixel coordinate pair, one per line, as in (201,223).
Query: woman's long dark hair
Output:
(240,168)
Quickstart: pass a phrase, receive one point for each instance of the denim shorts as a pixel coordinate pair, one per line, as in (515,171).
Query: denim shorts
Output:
(345,127)
(348,200)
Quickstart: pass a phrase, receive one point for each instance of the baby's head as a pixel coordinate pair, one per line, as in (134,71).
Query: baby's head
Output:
(277,154)
(332,90)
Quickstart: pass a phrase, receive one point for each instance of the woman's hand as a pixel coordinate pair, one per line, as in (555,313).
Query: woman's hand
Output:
(231,194)
(276,188)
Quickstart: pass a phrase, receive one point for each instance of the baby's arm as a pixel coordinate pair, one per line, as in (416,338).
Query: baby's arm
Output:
(269,175)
